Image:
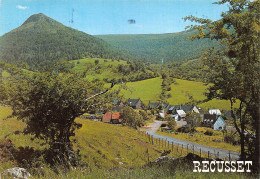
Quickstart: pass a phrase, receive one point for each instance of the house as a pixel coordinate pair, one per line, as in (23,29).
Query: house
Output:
(117,102)
(214,121)
(185,108)
(169,109)
(135,103)
(113,118)
(214,111)
(153,105)
(107,117)
(116,118)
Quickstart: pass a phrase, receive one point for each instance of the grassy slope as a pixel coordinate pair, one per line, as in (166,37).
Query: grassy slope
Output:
(146,90)
(101,145)
(105,71)
(150,90)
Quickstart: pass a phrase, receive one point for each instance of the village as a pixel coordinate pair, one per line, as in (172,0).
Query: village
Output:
(213,118)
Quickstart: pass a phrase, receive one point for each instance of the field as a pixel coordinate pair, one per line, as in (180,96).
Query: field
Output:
(101,145)
(146,90)
(106,68)
(180,91)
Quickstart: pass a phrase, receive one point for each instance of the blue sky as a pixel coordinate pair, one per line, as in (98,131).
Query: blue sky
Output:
(110,16)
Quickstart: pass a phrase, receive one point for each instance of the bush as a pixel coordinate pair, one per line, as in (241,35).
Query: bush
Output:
(209,132)
(131,118)
(172,124)
(232,138)
(96,62)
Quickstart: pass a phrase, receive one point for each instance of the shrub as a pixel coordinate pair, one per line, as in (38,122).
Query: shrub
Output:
(232,138)
(172,124)
(209,132)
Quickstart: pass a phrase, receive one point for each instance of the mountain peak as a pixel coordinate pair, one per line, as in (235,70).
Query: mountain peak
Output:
(39,17)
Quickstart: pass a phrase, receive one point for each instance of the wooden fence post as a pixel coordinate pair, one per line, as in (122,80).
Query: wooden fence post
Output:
(181,148)
(172,146)
(148,155)
(187,148)
(168,144)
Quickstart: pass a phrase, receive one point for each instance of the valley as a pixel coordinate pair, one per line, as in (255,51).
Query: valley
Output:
(75,105)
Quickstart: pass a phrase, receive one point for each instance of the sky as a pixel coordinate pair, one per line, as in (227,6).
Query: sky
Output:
(97,17)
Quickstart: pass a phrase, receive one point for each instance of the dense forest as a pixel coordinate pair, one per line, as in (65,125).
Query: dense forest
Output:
(41,41)
(161,47)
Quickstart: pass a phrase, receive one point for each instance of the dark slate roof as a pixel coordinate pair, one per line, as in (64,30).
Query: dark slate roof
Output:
(153,105)
(210,117)
(186,108)
(133,102)
(117,109)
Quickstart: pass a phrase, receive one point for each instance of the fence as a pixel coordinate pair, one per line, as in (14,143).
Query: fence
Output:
(178,149)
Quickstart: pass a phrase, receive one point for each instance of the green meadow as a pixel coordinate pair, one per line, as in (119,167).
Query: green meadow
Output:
(146,90)
(106,68)
(180,92)
(101,145)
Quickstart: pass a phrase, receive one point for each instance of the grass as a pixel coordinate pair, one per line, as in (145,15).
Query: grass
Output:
(161,172)
(149,89)
(106,68)
(112,151)
(101,145)
(180,91)
(200,138)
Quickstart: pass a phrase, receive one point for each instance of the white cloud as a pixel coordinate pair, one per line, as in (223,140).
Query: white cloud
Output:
(22,7)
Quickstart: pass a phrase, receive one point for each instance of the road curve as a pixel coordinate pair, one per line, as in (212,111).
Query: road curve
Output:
(221,153)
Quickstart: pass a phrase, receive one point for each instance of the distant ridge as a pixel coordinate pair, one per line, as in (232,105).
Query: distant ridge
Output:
(168,47)
(41,41)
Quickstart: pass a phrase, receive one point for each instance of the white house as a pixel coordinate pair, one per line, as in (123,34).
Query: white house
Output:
(214,111)
(214,121)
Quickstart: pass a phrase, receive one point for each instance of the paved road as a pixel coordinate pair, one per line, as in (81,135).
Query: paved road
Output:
(221,153)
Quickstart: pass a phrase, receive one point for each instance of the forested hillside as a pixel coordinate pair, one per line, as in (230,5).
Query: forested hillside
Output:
(41,41)
(158,47)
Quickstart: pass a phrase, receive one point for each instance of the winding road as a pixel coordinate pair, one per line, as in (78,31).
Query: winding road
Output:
(220,153)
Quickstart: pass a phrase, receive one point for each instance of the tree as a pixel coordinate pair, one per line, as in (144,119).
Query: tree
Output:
(234,70)
(193,119)
(96,62)
(131,117)
(171,122)
(49,106)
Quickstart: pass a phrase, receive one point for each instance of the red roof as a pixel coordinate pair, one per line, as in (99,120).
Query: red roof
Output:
(116,115)
(107,117)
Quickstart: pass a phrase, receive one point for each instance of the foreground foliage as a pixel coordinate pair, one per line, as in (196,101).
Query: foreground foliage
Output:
(235,70)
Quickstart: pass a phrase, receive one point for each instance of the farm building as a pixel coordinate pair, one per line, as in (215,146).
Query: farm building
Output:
(214,121)
(110,117)
(135,103)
